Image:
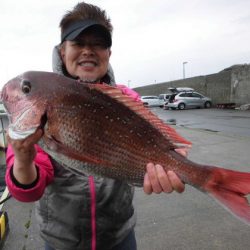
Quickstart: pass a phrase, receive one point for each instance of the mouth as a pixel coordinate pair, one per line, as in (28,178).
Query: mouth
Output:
(87,63)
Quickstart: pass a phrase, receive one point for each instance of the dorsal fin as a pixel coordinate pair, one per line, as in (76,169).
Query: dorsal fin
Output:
(138,107)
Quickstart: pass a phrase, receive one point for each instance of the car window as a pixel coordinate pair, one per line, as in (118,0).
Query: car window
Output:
(196,95)
(151,97)
(164,96)
(183,95)
(189,94)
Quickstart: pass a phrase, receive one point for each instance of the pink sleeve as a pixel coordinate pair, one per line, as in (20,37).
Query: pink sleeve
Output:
(46,176)
(129,92)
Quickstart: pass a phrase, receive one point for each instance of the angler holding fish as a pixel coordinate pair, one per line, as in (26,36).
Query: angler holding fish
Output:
(77,210)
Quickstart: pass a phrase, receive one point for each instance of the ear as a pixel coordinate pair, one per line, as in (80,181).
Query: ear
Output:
(62,52)
(110,52)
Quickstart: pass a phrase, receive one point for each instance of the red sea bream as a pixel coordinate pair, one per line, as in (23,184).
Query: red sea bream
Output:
(97,129)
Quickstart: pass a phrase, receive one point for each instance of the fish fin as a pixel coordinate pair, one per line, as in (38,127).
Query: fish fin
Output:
(230,188)
(138,107)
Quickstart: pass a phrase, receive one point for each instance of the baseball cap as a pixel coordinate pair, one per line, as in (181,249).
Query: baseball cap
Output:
(74,29)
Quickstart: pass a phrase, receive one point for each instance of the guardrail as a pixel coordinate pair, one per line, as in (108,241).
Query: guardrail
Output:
(3,127)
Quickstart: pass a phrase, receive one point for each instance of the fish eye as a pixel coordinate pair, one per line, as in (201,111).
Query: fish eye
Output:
(26,86)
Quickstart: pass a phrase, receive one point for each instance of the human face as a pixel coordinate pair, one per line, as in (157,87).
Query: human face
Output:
(86,58)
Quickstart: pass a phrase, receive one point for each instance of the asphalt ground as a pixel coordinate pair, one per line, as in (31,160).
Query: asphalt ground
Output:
(190,220)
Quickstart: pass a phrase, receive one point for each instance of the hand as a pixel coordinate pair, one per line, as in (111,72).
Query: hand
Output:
(24,168)
(156,180)
(129,92)
(24,150)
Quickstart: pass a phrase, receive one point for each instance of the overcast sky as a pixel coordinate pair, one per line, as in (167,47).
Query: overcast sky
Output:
(151,39)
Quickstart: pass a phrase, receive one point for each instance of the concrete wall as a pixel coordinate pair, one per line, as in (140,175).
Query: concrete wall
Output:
(218,87)
(229,85)
(240,88)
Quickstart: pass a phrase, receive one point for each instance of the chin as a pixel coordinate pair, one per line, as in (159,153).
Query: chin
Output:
(89,79)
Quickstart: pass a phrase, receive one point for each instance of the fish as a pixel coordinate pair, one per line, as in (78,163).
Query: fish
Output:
(96,129)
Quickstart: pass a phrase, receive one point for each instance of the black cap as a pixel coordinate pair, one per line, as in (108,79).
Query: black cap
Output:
(74,29)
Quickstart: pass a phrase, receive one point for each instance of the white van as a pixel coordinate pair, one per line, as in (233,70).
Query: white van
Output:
(150,101)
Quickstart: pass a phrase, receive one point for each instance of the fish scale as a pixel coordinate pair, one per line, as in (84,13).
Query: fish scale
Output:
(96,129)
(101,146)
(97,145)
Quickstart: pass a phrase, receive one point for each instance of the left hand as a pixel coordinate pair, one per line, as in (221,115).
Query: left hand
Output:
(156,180)
(129,92)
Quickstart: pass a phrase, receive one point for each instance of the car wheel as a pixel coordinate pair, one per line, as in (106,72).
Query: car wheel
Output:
(181,106)
(207,105)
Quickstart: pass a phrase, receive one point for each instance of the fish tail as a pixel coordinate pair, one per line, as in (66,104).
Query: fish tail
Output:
(230,188)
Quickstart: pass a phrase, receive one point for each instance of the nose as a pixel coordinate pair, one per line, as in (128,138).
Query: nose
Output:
(87,50)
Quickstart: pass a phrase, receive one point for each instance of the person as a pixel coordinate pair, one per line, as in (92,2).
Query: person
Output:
(76,210)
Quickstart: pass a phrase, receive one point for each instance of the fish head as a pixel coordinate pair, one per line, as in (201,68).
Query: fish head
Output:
(24,100)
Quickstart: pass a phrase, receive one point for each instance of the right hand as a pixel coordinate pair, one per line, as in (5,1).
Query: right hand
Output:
(157,180)
(24,150)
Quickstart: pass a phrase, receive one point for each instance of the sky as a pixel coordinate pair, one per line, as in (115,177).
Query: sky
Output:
(151,39)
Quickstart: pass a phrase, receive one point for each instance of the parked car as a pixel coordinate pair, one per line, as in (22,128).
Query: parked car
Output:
(164,99)
(188,99)
(150,101)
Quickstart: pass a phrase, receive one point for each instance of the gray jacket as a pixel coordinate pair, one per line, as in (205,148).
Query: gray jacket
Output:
(77,209)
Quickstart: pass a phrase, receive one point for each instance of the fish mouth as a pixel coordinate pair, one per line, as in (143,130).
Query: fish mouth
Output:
(44,120)
(16,132)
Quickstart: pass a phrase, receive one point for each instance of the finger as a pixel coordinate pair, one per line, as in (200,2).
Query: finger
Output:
(175,181)
(33,138)
(163,179)
(147,185)
(152,174)
(182,151)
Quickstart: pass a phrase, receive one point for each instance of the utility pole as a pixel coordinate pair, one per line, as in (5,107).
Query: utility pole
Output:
(183,65)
